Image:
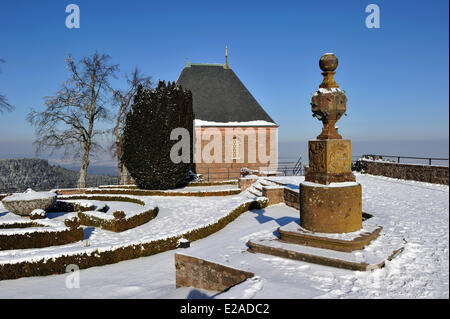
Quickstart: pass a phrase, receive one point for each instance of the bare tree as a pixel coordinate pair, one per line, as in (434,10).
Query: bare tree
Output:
(69,118)
(4,105)
(123,99)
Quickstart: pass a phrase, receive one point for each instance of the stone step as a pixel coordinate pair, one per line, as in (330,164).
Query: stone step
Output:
(294,234)
(258,188)
(370,258)
(254,192)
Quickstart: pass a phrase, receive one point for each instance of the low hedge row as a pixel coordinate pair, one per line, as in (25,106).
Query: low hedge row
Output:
(58,265)
(103,198)
(25,224)
(118,224)
(63,206)
(193,184)
(190,184)
(143,192)
(119,186)
(40,239)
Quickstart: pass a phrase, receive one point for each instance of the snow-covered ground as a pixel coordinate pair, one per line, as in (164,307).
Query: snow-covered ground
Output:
(418,211)
(176,216)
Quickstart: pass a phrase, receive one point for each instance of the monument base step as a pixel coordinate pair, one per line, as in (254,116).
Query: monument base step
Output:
(347,242)
(373,256)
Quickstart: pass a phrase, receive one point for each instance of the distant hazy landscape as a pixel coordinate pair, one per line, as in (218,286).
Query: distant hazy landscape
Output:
(52,172)
(17,175)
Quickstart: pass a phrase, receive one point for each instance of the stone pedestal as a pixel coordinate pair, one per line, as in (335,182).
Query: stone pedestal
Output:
(329,209)
(329,162)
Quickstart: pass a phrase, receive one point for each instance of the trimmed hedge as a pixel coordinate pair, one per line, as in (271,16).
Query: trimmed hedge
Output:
(63,206)
(190,184)
(105,198)
(115,225)
(119,224)
(58,265)
(26,224)
(147,146)
(193,184)
(143,192)
(119,186)
(40,239)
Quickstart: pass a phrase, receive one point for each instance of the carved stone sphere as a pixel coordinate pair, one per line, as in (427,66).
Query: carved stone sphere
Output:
(328,62)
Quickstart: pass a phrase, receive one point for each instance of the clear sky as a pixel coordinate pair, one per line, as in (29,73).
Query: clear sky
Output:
(395,77)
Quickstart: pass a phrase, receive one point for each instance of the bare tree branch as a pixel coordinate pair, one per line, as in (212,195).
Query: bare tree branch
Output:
(4,105)
(122,98)
(69,117)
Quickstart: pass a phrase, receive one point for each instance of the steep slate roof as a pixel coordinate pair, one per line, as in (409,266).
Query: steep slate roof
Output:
(219,96)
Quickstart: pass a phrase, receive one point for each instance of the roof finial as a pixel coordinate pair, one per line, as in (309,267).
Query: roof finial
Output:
(226,57)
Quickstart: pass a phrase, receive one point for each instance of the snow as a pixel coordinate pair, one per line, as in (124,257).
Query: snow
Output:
(212,188)
(291,182)
(325,91)
(100,215)
(331,185)
(250,177)
(46,225)
(417,211)
(130,209)
(38,213)
(367,228)
(176,216)
(407,161)
(378,252)
(198,122)
(186,189)
(28,195)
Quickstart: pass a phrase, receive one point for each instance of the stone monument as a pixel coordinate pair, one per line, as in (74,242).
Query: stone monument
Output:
(330,199)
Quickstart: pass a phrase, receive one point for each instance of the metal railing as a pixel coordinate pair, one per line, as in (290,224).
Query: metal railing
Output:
(286,168)
(398,158)
(291,168)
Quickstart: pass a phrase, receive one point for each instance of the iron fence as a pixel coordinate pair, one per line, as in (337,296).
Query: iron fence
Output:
(226,173)
(291,168)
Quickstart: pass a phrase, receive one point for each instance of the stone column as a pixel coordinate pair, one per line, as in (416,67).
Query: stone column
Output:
(330,199)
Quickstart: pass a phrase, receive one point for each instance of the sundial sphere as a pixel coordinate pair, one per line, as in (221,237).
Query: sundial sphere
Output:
(328,62)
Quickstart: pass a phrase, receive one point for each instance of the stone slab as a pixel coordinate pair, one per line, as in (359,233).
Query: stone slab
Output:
(347,242)
(203,274)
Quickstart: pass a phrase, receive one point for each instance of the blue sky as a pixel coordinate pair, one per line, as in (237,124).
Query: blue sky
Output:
(395,77)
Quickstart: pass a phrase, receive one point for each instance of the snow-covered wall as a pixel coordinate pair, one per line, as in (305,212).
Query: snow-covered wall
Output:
(422,173)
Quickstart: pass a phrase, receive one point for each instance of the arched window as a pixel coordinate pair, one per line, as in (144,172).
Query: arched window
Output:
(235,149)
